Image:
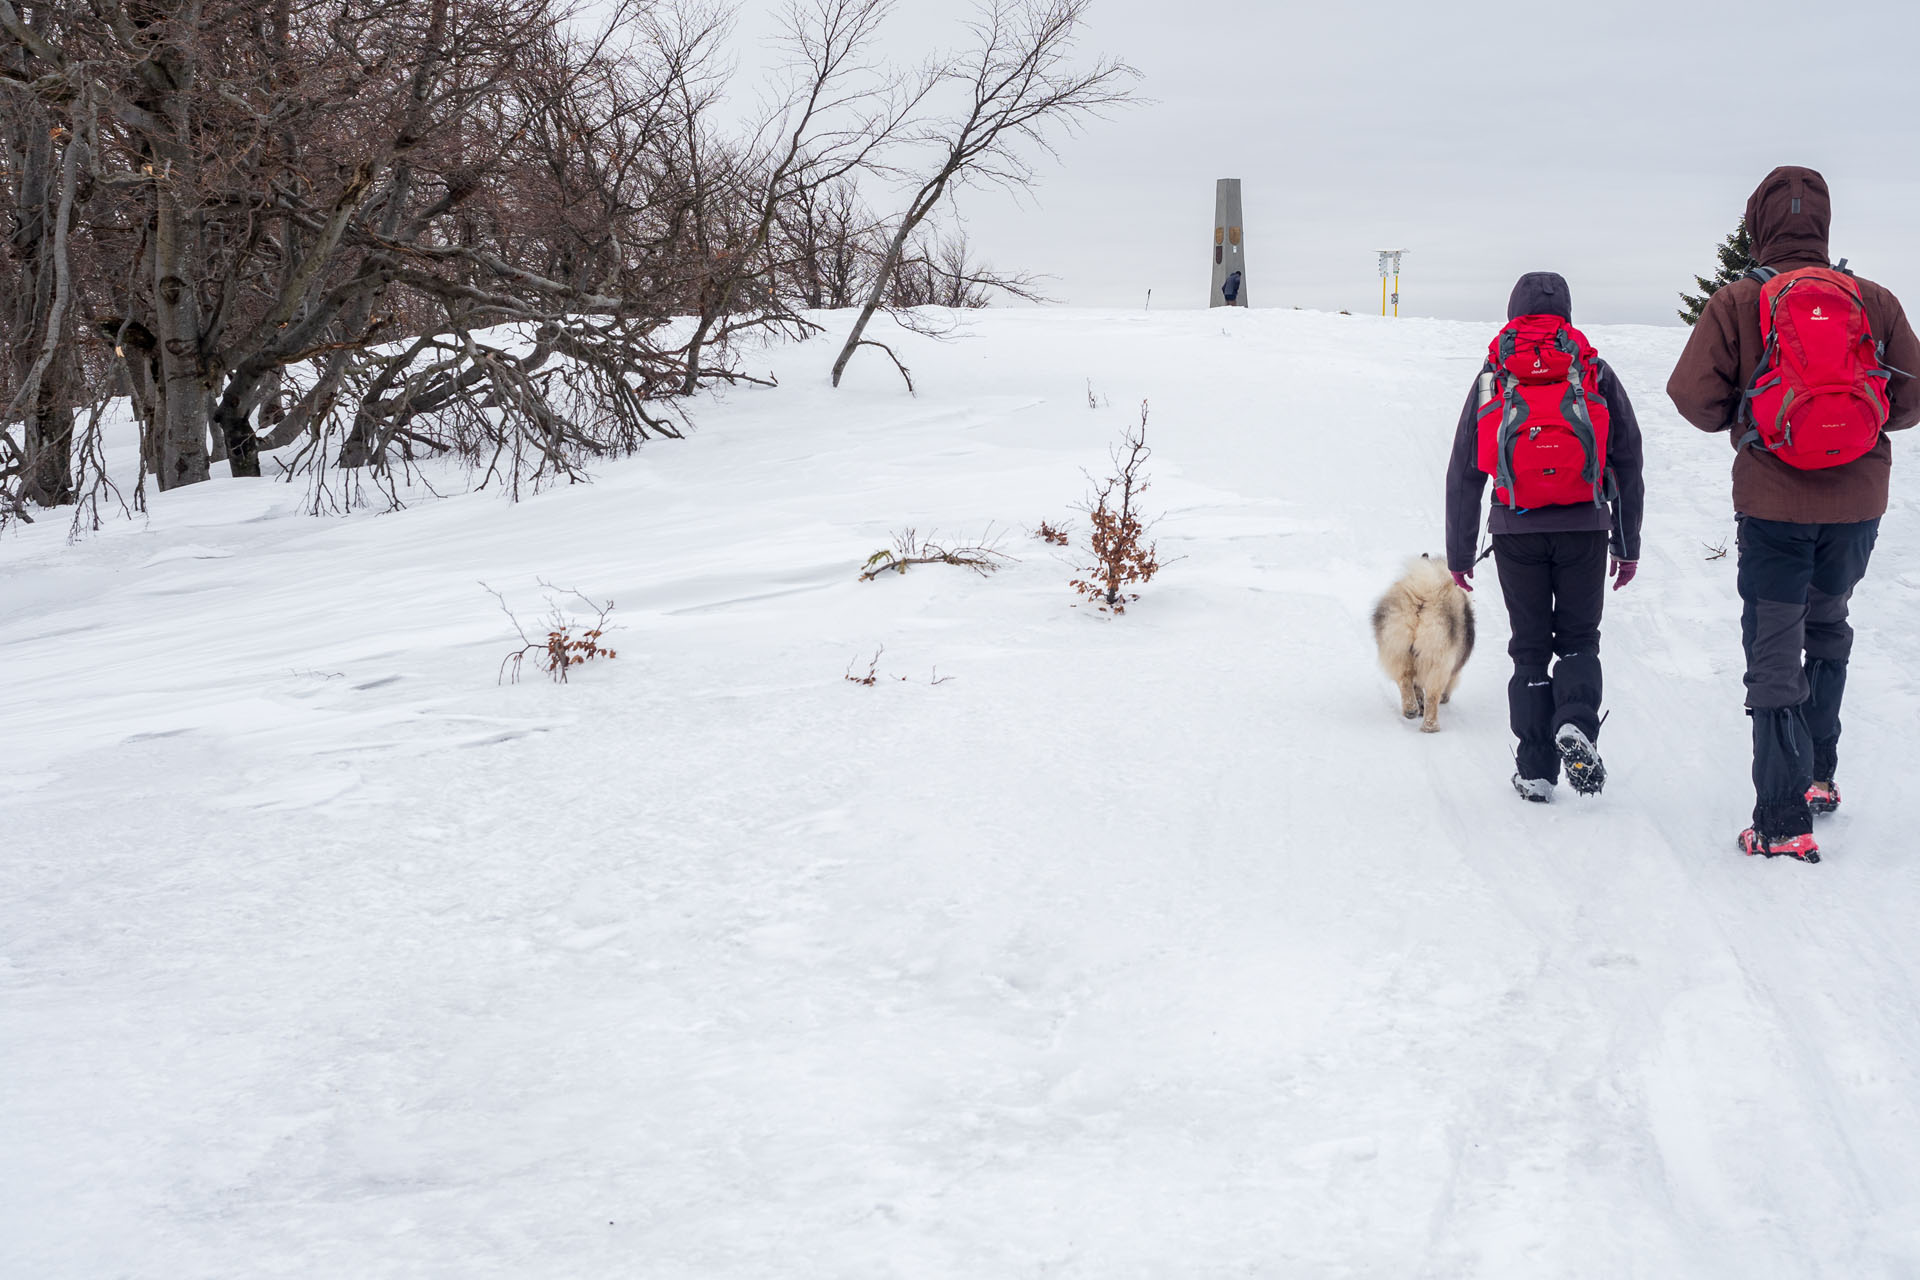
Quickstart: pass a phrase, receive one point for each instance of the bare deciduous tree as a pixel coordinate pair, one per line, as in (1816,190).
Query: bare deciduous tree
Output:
(1017,86)
(38,372)
(837,112)
(355,234)
(941,271)
(378,226)
(828,245)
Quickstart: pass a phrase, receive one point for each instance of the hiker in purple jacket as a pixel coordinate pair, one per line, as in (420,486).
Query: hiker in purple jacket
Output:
(1554,564)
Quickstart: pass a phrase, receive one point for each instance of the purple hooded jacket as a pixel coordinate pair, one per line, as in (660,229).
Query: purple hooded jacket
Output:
(1545,293)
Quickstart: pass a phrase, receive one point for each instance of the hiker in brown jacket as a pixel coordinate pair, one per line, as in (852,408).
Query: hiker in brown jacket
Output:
(1804,535)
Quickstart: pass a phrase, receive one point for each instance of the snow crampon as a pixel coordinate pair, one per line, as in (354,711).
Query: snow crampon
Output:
(1753,844)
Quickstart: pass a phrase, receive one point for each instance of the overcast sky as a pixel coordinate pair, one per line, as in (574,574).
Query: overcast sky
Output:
(1615,142)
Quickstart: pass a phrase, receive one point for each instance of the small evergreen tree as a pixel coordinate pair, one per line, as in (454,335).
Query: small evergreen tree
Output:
(1736,259)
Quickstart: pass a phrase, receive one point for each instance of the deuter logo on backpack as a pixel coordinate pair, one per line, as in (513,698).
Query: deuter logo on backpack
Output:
(1819,396)
(1543,430)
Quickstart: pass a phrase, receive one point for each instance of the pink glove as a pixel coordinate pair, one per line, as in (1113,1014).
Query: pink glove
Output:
(1460,579)
(1622,571)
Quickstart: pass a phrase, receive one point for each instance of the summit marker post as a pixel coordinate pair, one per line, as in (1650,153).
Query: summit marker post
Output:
(1229,247)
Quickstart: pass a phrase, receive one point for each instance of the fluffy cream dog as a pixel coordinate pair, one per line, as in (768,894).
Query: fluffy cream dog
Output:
(1424,627)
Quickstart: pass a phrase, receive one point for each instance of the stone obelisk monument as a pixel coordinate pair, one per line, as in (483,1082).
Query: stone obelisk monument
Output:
(1229,247)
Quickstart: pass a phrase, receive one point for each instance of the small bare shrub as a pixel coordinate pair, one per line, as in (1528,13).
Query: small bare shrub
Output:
(1122,557)
(909,549)
(873,670)
(872,677)
(1048,534)
(561,649)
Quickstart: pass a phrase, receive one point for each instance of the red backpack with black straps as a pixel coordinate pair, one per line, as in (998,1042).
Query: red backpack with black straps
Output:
(1819,396)
(1543,428)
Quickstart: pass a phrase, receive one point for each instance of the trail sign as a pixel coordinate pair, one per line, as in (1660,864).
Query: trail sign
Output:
(1390,265)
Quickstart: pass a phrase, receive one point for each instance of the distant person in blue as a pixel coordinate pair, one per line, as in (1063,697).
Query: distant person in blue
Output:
(1231,289)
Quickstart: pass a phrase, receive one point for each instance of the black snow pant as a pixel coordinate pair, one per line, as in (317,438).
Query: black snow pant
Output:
(1795,583)
(1555,588)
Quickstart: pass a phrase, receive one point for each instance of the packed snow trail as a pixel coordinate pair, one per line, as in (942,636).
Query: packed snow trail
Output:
(1149,947)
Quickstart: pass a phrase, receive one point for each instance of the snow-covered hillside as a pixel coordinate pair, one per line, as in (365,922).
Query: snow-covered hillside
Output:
(1151,947)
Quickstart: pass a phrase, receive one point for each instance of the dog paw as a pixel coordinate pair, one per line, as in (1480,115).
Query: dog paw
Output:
(1411,713)
(1430,727)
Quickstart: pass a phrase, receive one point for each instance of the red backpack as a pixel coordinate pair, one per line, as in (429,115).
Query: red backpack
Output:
(1543,432)
(1819,396)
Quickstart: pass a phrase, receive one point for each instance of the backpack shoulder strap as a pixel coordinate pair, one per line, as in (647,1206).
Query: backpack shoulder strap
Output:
(1743,416)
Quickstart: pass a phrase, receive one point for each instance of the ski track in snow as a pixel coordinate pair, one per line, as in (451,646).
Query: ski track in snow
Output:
(1147,947)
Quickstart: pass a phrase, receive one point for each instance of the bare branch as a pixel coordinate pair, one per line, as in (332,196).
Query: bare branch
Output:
(1019,90)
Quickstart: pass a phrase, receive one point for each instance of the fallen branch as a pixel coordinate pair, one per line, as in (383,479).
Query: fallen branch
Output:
(904,371)
(908,550)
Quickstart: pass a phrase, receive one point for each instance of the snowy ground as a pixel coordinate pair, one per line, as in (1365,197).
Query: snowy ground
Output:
(1149,947)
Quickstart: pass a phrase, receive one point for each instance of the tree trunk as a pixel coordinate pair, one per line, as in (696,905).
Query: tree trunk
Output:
(876,295)
(140,368)
(41,320)
(216,441)
(233,426)
(182,418)
(695,345)
(49,461)
(273,410)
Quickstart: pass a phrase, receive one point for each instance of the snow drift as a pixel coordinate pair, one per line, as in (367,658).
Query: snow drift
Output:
(1152,946)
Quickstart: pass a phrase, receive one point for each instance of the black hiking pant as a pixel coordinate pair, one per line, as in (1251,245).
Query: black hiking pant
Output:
(1795,583)
(1555,587)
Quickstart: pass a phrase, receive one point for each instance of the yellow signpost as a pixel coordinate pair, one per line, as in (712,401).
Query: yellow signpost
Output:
(1390,266)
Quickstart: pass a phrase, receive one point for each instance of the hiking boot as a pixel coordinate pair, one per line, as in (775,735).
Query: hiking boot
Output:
(1753,844)
(1823,797)
(1538,790)
(1585,774)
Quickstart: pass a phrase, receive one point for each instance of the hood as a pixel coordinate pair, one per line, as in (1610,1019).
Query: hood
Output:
(1541,293)
(1787,217)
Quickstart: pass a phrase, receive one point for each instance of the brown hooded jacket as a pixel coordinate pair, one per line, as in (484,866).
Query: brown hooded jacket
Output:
(1788,218)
